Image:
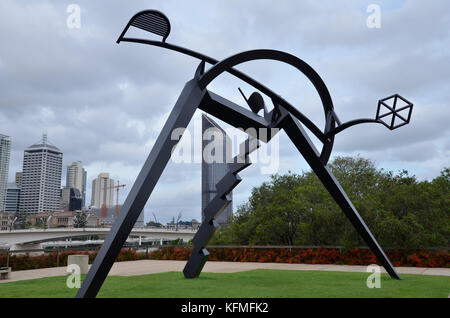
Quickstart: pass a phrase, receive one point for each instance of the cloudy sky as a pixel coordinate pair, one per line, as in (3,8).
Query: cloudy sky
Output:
(104,103)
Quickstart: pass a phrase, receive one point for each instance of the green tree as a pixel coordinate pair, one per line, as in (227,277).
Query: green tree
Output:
(295,209)
(79,220)
(176,242)
(154,224)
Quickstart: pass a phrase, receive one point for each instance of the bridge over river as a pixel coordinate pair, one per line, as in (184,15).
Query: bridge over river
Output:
(18,239)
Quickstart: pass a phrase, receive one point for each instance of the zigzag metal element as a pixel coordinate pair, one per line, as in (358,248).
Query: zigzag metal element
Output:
(221,200)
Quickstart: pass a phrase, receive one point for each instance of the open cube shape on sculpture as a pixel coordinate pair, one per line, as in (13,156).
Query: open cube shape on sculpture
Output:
(394,111)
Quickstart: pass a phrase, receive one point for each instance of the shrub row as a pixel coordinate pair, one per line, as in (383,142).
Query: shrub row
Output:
(273,255)
(28,261)
(311,256)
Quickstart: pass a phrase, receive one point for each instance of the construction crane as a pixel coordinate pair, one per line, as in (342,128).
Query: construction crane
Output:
(117,187)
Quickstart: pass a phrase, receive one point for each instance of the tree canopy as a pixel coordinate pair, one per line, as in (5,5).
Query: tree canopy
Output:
(296,209)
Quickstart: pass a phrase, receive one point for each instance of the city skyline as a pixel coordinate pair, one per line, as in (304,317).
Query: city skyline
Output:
(75,175)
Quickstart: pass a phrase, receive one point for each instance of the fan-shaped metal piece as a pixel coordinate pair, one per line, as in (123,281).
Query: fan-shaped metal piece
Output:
(152,21)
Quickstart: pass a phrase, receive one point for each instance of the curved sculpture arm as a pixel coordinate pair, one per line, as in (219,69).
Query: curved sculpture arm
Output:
(252,82)
(307,70)
(156,22)
(351,123)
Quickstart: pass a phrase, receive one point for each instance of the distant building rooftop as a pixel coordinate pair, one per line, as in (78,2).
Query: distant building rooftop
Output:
(44,145)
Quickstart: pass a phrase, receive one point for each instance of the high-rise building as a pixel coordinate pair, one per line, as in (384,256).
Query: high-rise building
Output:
(41,178)
(212,170)
(5,153)
(76,178)
(19,178)
(102,191)
(70,199)
(12,198)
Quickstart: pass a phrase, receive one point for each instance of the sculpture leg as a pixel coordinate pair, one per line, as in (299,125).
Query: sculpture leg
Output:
(302,142)
(180,116)
(200,254)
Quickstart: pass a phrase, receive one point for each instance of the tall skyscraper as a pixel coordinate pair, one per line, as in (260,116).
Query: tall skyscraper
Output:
(41,178)
(102,191)
(5,153)
(213,171)
(76,178)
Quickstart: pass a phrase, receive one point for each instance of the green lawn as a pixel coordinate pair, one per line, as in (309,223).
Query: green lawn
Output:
(255,283)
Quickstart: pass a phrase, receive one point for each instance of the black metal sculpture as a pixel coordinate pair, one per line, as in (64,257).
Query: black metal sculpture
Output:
(195,95)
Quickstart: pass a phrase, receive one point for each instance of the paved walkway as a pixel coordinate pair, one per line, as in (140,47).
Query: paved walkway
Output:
(143,267)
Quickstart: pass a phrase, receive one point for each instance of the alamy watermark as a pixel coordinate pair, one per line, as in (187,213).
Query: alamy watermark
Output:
(74,18)
(374,19)
(228,146)
(74,278)
(374,279)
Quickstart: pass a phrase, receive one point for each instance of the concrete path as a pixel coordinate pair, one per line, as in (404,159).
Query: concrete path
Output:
(143,267)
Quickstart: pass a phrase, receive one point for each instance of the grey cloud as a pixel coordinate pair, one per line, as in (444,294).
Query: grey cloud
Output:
(104,103)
